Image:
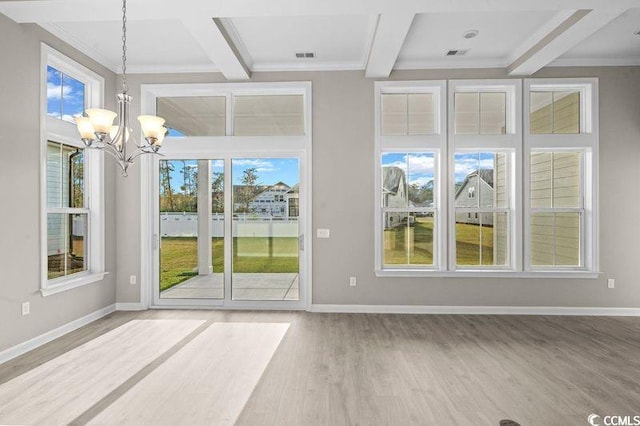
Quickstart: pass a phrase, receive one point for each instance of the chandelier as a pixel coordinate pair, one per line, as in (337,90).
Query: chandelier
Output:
(96,125)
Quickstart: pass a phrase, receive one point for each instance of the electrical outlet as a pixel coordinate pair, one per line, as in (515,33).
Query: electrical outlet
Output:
(26,308)
(132,279)
(352,281)
(611,283)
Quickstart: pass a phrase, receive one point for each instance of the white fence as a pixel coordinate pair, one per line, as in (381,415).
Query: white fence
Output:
(244,225)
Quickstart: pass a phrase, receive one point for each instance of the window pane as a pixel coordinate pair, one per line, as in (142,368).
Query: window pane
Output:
(394,114)
(65,176)
(566,112)
(408,238)
(66,248)
(541,116)
(555,239)
(474,179)
(493,113)
(178,225)
(482,239)
(265,259)
(408,179)
(193,115)
(72,98)
(54,92)
(268,115)
(467,113)
(555,112)
(556,180)
(420,114)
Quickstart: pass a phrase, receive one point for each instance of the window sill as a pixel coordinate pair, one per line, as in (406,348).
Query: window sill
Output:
(71,283)
(486,274)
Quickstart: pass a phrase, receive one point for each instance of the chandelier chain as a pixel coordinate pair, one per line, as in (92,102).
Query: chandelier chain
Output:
(124,46)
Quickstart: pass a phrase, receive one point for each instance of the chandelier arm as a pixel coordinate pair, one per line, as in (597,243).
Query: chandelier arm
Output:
(141,153)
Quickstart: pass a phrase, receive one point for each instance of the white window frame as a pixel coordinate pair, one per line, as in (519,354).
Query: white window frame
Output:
(586,142)
(434,143)
(509,143)
(59,131)
(516,141)
(226,148)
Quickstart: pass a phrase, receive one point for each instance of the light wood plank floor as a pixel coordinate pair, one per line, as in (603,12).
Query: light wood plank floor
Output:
(348,369)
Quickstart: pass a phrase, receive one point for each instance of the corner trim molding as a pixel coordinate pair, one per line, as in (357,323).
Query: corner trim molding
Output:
(47,337)
(476,310)
(129,307)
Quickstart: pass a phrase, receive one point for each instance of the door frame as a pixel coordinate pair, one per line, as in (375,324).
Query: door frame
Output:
(224,147)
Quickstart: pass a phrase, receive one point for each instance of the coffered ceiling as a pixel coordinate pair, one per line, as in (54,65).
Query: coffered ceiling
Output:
(238,37)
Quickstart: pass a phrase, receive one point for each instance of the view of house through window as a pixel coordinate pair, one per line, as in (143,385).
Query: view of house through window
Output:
(556,208)
(264,229)
(482,209)
(408,184)
(66,216)
(555,112)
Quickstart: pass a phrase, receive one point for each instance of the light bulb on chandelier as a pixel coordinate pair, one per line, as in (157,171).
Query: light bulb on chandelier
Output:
(97,130)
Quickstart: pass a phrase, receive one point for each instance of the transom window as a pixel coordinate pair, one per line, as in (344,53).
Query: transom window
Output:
(65,95)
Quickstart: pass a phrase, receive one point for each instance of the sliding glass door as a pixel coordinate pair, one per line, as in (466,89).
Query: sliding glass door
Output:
(229,230)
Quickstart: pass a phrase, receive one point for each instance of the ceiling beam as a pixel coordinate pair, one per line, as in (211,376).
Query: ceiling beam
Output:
(555,40)
(388,38)
(216,43)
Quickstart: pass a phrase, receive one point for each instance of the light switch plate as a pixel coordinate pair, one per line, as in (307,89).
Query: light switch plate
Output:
(323,233)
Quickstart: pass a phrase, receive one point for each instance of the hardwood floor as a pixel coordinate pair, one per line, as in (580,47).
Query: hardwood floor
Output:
(347,369)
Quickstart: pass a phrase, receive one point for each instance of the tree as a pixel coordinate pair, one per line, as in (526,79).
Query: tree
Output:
(189,187)
(76,178)
(249,188)
(217,192)
(166,192)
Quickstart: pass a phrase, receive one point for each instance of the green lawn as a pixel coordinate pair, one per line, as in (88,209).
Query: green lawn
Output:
(420,247)
(179,257)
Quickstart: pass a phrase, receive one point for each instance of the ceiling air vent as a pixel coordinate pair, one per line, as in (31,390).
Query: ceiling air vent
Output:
(305,55)
(456,52)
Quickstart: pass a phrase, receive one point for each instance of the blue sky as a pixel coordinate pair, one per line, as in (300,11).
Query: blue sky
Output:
(419,167)
(65,95)
(269,170)
(468,162)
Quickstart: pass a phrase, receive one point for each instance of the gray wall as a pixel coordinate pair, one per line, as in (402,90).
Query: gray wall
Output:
(343,124)
(343,157)
(20,189)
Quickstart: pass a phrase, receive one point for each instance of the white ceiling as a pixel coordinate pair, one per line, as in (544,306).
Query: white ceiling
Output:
(614,44)
(433,34)
(377,36)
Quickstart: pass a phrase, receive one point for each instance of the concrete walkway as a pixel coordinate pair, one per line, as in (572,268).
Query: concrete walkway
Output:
(266,286)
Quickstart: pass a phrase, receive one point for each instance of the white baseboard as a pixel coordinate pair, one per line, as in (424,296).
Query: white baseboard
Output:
(129,307)
(476,310)
(42,339)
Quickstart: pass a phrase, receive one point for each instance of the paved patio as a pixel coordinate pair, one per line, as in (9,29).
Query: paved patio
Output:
(267,286)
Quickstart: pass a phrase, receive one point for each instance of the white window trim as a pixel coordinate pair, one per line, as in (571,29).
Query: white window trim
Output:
(509,143)
(226,147)
(587,142)
(59,131)
(435,143)
(519,143)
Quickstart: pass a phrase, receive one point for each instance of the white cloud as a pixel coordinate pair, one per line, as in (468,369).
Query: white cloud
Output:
(417,164)
(257,163)
(467,164)
(55,91)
